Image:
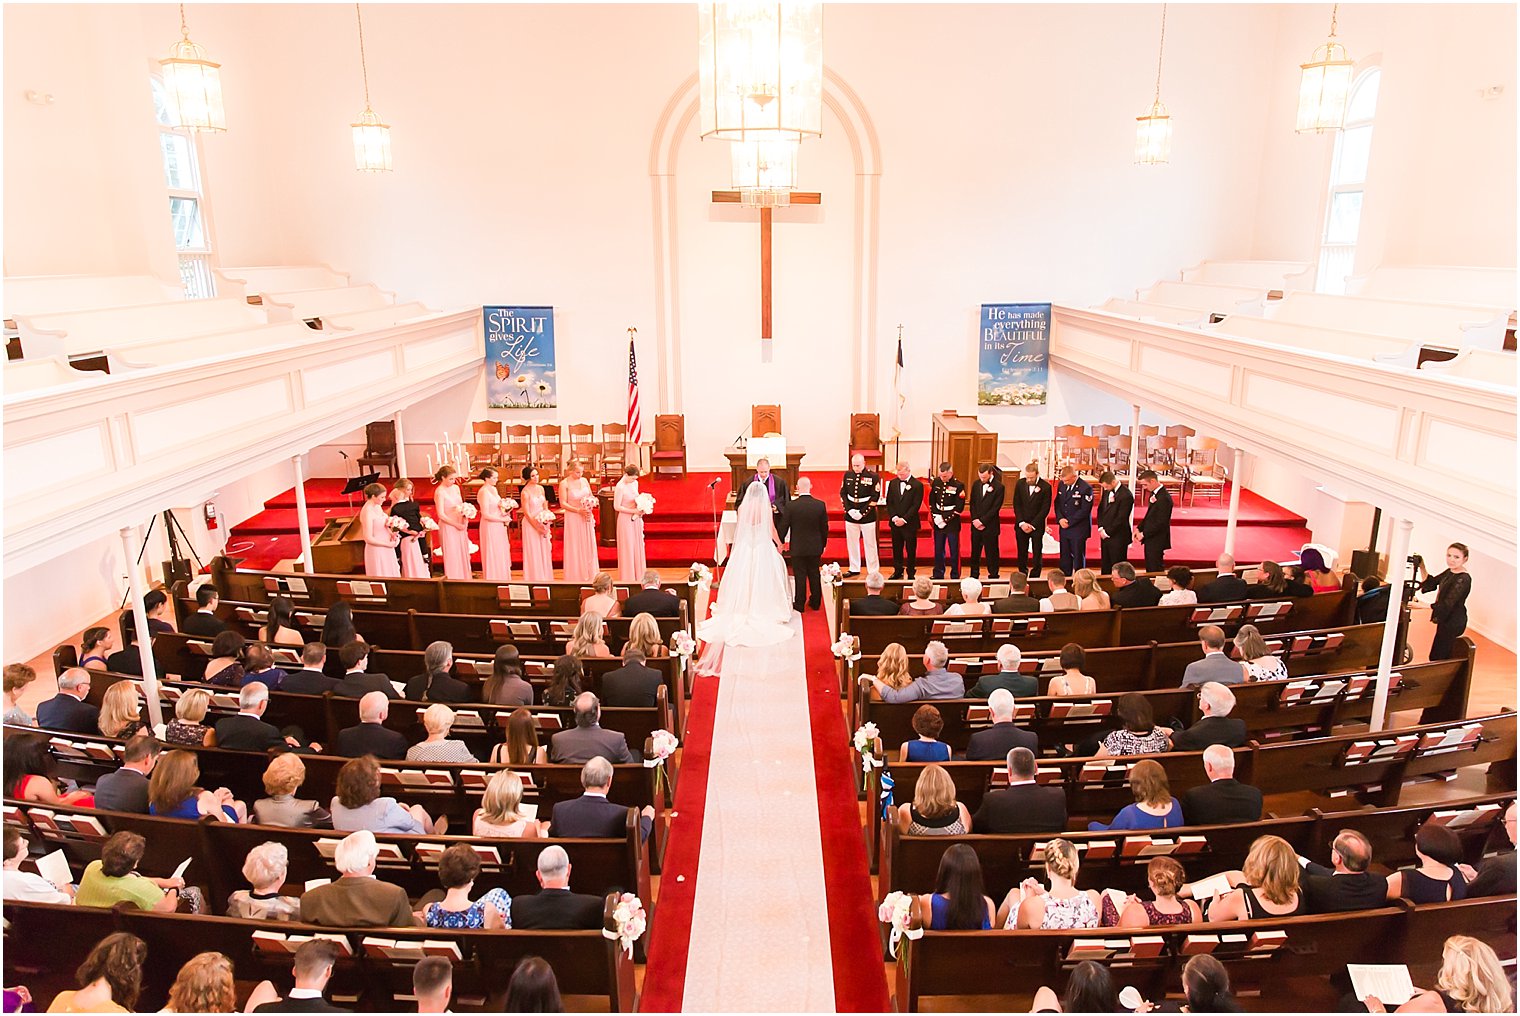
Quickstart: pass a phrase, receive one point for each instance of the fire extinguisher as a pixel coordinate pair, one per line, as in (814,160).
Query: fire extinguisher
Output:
(210,511)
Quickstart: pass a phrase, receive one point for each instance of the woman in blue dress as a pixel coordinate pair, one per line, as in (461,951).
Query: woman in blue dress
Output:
(172,792)
(958,902)
(457,870)
(927,724)
(1154,807)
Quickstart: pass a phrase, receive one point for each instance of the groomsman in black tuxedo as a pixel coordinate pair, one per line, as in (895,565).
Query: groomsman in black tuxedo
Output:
(1155,530)
(1031,509)
(1074,505)
(807,530)
(905,496)
(1114,512)
(986,503)
(947,500)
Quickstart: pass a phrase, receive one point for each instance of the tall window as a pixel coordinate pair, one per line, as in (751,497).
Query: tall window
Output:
(187,200)
(1348,180)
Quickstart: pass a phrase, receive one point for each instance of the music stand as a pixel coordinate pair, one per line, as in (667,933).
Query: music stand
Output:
(356,484)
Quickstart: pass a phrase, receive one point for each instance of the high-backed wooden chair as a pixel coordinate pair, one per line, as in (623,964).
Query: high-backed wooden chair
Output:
(516,449)
(764,420)
(380,446)
(583,447)
(1205,473)
(548,451)
(1062,438)
(1083,449)
(614,449)
(865,439)
(669,444)
(1184,435)
(482,454)
(486,431)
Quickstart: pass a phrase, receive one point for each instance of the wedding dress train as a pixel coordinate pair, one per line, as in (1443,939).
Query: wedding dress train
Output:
(754,606)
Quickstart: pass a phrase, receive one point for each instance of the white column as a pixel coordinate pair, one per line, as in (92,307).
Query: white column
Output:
(400,445)
(1234,517)
(305,529)
(1397,566)
(1134,452)
(140,625)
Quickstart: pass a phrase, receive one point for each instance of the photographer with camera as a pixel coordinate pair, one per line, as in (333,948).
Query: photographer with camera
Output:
(1451,587)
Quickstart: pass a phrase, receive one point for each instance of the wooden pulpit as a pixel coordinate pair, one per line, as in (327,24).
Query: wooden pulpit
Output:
(964,443)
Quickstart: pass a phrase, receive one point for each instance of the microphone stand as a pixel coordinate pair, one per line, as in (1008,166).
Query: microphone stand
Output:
(712,490)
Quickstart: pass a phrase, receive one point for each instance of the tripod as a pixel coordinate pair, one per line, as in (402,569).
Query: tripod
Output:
(177,560)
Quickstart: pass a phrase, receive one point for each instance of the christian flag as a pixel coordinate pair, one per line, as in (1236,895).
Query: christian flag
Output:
(897,389)
(635,434)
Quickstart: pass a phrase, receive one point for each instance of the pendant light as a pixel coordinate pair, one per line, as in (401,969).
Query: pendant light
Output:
(372,139)
(760,70)
(1324,86)
(1153,131)
(194,84)
(765,172)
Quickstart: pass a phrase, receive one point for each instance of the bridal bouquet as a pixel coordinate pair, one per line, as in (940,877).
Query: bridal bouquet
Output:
(630,921)
(896,911)
(847,647)
(682,644)
(698,573)
(468,511)
(395,522)
(429,523)
(833,575)
(645,503)
(507,504)
(865,743)
(545,517)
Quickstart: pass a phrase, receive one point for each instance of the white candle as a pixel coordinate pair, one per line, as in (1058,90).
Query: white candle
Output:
(430,465)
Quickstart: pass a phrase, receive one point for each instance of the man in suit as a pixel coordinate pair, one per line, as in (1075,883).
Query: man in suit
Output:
(1155,530)
(203,623)
(1215,665)
(248,731)
(554,906)
(1227,587)
(591,814)
(310,680)
(127,659)
(1002,737)
(633,685)
(807,530)
(312,969)
(68,710)
(873,604)
(437,684)
(986,502)
(1025,807)
(587,740)
(126,789)
(356,683)
(1074,505)
(1223,800)
(357,899)
(1346,884)
(1115,509)
(433,984)
(859,493)
(1007,678)
(1495,877)
(775,488)
(947,500)
(1215,701)
(1018,600)
(1031,509)
(936,683)
(1131,590)
(370,736)
(905,496)
(651,599)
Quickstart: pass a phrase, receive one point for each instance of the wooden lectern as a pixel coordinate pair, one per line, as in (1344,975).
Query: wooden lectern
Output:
(339,548)
(740,470)
(964,443)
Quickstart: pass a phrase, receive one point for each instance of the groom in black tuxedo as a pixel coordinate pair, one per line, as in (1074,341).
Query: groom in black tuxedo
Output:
(807,530)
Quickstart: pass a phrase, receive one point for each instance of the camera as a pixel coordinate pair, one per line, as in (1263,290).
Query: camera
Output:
(1416,562)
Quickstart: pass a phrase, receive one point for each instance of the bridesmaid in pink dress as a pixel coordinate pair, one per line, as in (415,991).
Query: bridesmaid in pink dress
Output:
(379,539)
(538,546)
(413,564)
(581,564)
(453,527)
(630,527)
(495,545)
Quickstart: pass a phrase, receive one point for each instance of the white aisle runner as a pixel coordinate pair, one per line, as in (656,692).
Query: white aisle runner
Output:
(760,929)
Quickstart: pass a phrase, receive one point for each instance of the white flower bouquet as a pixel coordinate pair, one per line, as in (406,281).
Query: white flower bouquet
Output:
(682,644)
(545,517)
(698,573)
(508,503)
(662,744)
(847,647)
(468,511)
(645,503)
(429,523)
(833,575)
(896,911)
(864,742)
(395,522)
(630,921)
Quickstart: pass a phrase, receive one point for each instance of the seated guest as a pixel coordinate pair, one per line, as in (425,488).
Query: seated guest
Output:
(248,730)
(1269,582)
(521,748)
(1090,988)
(355,683)
(1181,594)
(1002,737)
(873,604)
(186,727)
(1154,807)
(1225,587)
(357,899)
(1472,979)
(959,902)
(338,626)
(1090,595)
(592,814)
(632,685)
(172,792)
(437,684)
(281,628)
(1206,986)
(126,789)
(1346,884)
(68,710)
(587,740)
(358,804)
(127,659)
(1436,879)
(156,606)
(554,906)
(1071,680)
(1060,597)
(95,647)
(282,778)
(651,599)
(1215,665)
(602,599)
(1496,876)
(927,747)
(1257,661)
(935,683)
(934,810)
(971,600)
(506,685)
(1372,601)
(533,988)
(17,677)
(312,970)
(922,603)
(1063,905)
(1018,600)
(28,886)
(1138,733)
(438,721)
(29,773)
(588,638)
(1132,589)
(1267,886)
(1165,877)
(458,869)
(370,736)
(110,978)
(498,815)
(265,868)
(1295,584)
(564,682)
(892,666)
(225,668)
(114,878)
(121,710)
(258,665)
(203,623)
(644,635)
(310,680)
(1025,806)
(1008,677)
(1221,801)
(1316,573)
(1215,701)
(433,984)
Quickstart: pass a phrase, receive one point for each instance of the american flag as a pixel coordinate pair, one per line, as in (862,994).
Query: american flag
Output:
(635,433)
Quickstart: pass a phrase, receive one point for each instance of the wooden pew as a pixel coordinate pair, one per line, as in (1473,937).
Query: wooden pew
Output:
(948,591)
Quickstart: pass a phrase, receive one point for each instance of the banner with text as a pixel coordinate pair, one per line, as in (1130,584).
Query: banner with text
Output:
(520,358)
(1014,365)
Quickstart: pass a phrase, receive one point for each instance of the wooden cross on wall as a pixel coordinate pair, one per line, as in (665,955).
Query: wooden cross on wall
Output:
(732,197)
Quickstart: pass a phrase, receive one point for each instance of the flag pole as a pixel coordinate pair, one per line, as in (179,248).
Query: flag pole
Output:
(897,394)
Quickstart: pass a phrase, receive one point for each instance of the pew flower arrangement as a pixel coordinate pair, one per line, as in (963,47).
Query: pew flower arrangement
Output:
(662,744)
(865,743)
(682,644)
(833,575)
(468,511)
(847,647)
(630,921)
(896,911)
(698,573)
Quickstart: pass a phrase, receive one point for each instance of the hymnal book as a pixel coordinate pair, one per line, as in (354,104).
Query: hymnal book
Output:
(55,868)
(1293,691)
(44,818)
(474,779)
(523,629)
(1089,949)
(1195,944)
(275,942)
(314,883)
(1099,849)
(548,721)
(1048,774)
(417,777)
(411,949)
(1069,710)
(1207,888)
(561,629)
(1134,846)
(1146,946)
(1482,815)
(468,719)
(85,825)
(1023,711)
(978,715)
(514,593)
(1388,981)
(1266,941)
(541,594)
(222,700)
(1192,844)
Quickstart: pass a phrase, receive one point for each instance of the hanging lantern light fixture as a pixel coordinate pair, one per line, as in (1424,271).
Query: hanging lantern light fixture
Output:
(1324,86)
(1153,131)
(372,139)
(765,172)
(193,83)
(760,69)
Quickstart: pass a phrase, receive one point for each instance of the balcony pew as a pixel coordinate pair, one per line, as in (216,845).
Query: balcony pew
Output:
(318,304)
(218,345)
(1482,287)
(1273,276)
(1186,317)
(1209,297)
(376,317)
(39,295)
(1355,345)
(44,372)
(86,333)
(251,283)
(1439,324)
(1486,366)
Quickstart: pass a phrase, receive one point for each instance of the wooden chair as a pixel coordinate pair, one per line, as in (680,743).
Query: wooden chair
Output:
(669,444)
(1204,471)
(549,457)
(1083,450)
(517,448)
(1061,442)
(482,454)
(486,431)
(614,449)
(764,420)
(583,447)
(1184,435)
(865,439)
(380,446)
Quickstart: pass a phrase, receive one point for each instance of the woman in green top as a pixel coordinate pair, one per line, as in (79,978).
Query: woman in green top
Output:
(114,879)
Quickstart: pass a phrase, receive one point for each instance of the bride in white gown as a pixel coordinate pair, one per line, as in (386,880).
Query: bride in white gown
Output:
(754,606)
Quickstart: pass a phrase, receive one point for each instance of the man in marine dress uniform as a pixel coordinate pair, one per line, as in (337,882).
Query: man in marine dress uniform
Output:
(1074,505)
(1114,512)
(859,493)
(1031,507)
(947,499)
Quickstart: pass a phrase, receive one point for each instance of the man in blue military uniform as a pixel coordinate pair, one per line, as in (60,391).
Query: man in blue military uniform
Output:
(947,500)
(1074,507)
(859,494)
